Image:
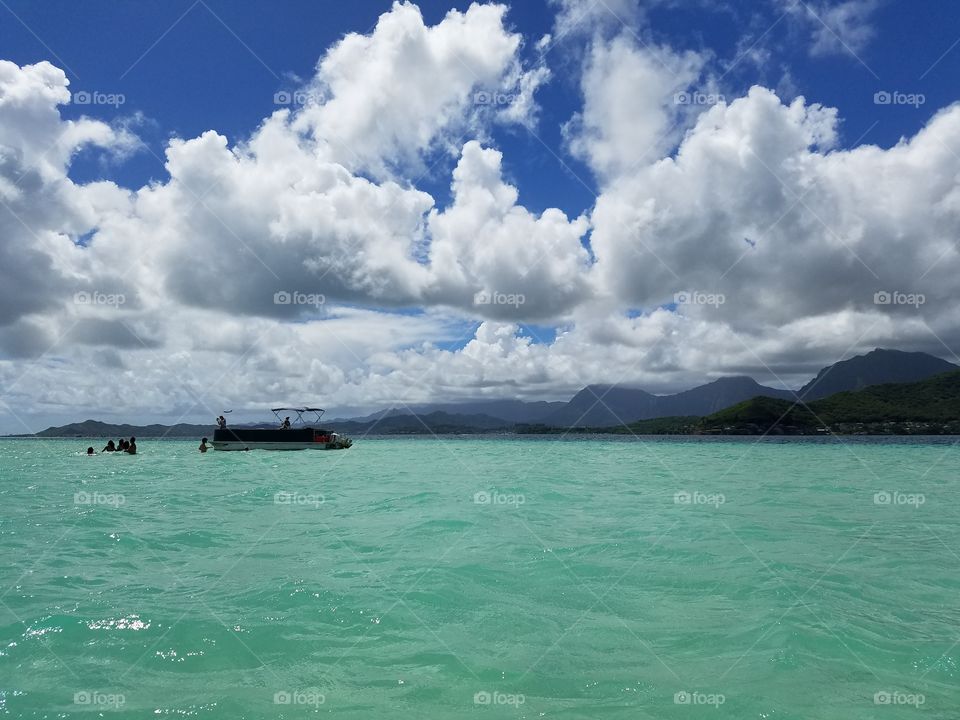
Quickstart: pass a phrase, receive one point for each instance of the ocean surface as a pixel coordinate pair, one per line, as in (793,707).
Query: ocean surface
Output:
(483,578)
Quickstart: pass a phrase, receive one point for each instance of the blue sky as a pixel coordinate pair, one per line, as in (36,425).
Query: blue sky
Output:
(590,229)
(189,66)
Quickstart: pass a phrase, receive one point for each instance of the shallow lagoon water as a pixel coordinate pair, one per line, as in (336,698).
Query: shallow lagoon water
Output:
(483,577)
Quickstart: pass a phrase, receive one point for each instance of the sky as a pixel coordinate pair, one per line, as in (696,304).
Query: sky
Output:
(208,205)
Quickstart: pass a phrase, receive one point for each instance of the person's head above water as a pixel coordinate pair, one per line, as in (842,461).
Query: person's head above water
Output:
(89,451)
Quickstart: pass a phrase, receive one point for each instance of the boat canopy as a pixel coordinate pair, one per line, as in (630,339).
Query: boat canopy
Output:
(298,411)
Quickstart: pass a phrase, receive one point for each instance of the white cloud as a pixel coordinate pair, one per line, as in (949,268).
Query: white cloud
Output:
(390,95)
(631,105)
(576,17)
(492,257)
(836,27)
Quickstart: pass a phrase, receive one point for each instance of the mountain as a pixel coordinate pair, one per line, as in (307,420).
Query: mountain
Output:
(930,406)
(95,428)
(438,423)
(509,410)
(875,368)
(608,405)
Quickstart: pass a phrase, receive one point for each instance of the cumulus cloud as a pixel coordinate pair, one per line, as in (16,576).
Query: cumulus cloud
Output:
(632,103)
(386,97)
(827,230)
(498,259)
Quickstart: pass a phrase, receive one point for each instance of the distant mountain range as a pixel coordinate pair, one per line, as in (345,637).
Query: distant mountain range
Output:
(596,406)
(599,406)
(874,368)
(928,407)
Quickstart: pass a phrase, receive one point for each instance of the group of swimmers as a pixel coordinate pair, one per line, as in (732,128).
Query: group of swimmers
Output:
(127,446)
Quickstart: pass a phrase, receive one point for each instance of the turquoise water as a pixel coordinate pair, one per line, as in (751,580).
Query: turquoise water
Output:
(486,578)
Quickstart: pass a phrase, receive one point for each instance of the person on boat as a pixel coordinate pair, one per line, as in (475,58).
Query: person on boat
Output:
(132,446)
(203,445)
(221,422)
(90,451)
(110,447)
(285,425)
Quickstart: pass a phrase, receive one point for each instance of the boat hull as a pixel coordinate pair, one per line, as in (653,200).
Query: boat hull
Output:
(301,438)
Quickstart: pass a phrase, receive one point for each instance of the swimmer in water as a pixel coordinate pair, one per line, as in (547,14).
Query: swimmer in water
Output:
(203,445)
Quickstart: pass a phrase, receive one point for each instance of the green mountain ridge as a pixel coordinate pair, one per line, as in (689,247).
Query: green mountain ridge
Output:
(929,406)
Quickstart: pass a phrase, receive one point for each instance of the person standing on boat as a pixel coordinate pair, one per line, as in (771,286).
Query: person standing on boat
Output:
(221,422)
